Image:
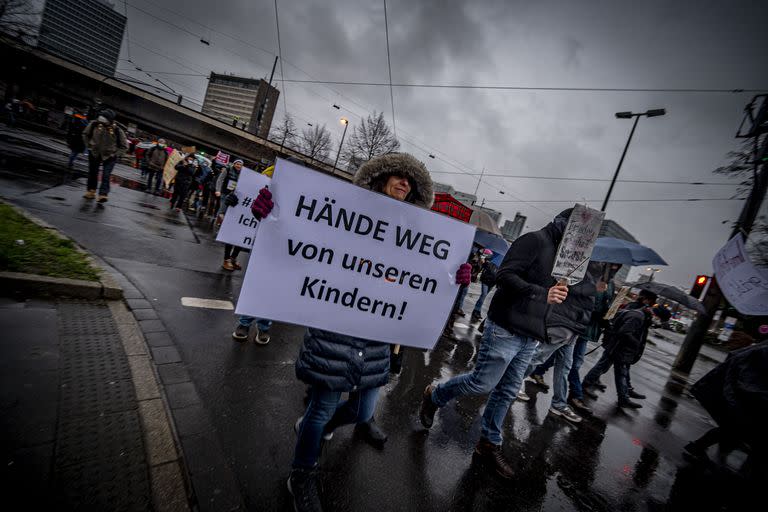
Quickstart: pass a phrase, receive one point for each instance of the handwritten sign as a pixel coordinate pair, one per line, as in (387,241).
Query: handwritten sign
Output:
(339,257)
(617,302)
(222,158)
(239,226)
(576,246)
(743,284)
(169,171)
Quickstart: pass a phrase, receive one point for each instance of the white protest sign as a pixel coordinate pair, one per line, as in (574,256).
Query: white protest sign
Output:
(335,256)
(743,284)
(239,226)
(576,246)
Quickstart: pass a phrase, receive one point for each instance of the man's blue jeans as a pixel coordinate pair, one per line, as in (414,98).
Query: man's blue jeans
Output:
(484,289)
(501,363)
(574,381)
(246,321)
(561,349)
(325,409)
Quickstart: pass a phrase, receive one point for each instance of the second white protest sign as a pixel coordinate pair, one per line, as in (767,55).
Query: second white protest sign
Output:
(239,226)
(338,257)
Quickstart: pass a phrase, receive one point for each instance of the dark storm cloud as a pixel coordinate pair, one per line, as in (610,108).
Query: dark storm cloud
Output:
(603,44)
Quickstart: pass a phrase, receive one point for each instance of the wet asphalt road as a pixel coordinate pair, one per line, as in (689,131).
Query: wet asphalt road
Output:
(616,460)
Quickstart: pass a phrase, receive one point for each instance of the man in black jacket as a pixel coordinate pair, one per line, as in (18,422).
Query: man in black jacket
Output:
(515,325)
(565,323)
(623,346)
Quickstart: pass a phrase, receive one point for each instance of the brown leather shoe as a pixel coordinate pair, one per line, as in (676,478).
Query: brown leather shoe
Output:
(490,454)
(90,194)
(428,407)
(235,265)
(227,265)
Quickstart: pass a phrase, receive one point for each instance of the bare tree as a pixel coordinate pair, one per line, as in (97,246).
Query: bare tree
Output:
(316,142)
(285,133)
(371,138)
(744,165)
(19,20)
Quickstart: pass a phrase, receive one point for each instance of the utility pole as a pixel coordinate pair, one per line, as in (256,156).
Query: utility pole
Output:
(691,346)
(479,180)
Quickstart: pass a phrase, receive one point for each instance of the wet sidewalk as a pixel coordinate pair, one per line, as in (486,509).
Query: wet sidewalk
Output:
(72,432)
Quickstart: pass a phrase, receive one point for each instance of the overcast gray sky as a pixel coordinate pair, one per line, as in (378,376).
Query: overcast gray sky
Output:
(592,44)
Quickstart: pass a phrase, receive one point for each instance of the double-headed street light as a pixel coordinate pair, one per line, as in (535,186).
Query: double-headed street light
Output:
(345,122)
(656,112)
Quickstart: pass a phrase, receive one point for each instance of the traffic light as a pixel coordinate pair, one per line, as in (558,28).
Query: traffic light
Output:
(698,286)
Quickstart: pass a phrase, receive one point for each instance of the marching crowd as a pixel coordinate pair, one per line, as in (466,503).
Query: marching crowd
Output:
(533,321)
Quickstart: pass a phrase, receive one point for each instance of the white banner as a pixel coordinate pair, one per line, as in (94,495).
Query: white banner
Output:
(743,284)
(239,226)
(577,244)
(338,257)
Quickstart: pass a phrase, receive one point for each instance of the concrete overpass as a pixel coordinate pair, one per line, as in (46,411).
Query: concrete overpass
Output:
(34,73)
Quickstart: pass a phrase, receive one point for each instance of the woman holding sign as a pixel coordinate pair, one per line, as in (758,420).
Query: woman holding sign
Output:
(332,363)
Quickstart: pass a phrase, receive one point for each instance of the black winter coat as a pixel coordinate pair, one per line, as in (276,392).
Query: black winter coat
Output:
(625,342)
(575,313)
(735,394)
(523,280)
(185,172)
(338,362)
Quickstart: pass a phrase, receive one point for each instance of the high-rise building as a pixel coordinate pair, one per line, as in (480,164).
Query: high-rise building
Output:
(513,228)
(87,32)
(495,215)
(238,101)
(613,229)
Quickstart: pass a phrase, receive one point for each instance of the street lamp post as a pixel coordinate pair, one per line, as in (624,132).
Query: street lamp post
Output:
(628,115)
(652,272)
(345,122)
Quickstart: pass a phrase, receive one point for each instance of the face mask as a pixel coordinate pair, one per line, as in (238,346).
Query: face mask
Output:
(102,120)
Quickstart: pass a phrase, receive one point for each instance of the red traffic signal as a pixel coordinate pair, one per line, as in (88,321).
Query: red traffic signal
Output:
(698,286)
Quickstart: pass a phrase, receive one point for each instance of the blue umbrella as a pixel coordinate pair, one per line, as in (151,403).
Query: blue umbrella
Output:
(493,242)
(615,250)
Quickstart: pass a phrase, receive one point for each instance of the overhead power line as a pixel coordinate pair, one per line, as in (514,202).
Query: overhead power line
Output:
(680,200)
(576,178)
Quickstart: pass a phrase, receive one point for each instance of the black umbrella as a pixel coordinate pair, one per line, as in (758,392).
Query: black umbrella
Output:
(671,293)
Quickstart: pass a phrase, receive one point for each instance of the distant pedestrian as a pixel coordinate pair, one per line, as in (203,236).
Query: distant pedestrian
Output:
(75,142)
(487,282)
(105,141)
(156,158)
(623,345)
(515,325)
(225,185)
(185,174)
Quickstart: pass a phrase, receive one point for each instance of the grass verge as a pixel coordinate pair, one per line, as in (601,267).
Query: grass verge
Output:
(41,252)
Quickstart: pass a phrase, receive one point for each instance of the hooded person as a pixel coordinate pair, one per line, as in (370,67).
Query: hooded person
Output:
(515,325)
(105,141)
(332,363)
(226,183)
(155,159)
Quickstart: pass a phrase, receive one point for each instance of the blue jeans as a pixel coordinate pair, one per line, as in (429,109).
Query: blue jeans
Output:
(462,295)
(246,321)
(93,173)
(72,157)
(561,349)
(501,363)
(324,413)
(484,289)
(574,381)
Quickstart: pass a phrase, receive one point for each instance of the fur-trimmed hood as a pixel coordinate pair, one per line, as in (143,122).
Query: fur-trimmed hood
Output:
(403,164)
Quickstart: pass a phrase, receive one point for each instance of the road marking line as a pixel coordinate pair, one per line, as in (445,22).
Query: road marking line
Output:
(194,302)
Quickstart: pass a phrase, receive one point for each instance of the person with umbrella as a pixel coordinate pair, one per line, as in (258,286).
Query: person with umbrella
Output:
(623,346)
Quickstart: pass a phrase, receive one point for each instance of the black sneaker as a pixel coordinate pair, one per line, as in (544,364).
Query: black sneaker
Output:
(490,454)
(428,408)
(302,484)
(240,333)
(629,404)
(372,434)
(634,394)
(588,391)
